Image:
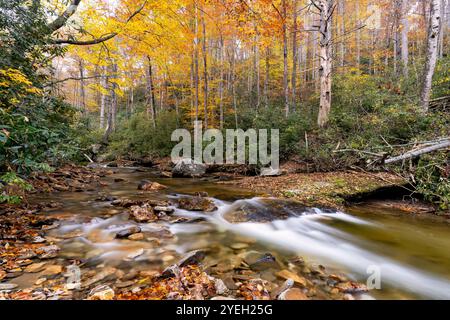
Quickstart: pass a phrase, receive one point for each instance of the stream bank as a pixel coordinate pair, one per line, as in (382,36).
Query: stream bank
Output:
(172,238)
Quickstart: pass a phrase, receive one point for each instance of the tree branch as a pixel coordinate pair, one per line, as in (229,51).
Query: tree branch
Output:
(61,20)
(98,40)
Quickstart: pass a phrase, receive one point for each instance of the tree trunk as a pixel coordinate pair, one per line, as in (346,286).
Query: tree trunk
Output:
(103,103)
(342,32)
(205,70)
(196,85)
(431,54)
(285,60)
(294,58)
(222,56)
(404,24)
(326,11)
(358,35)
(82,86)
(151,103)
(267,78)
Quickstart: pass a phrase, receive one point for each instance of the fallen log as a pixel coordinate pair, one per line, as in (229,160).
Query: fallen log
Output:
(416,153)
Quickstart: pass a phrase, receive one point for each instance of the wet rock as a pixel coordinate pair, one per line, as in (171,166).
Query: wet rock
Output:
(147,185)
(192,258)
(196,204)
(266,210)
(133,255)
(229,282)
(38,239)
(279,290)
(293,294)
(136,237)
(2,274)
(40,281)
(106,272)
(165,210)
(7,286)
(48,252)
(128,232)
(220,286)
(352,287)
(239,246)
(35,267)
(119,180)
(171,272)
(143,214)
(101,292)
(222,298)
(188,168)
(270,172)
(286,274)
(125,284)
(259,262)
(53,270)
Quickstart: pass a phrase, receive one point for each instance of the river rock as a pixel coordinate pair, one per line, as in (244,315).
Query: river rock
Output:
(222,298)
(259,262)
(136,237)
(239,246)
(128,232)
(352,287)
(101,292)
(166,210)
(270,172)
(147,185)
(220,286)
(106,272)
(35,267)
(196,204)
(279,290)
(53,270)
(143,213)
(8,286)
(133,255)
(265,210)
(188,168)
(293,294)
(286,274)
(48,252)
(192,258)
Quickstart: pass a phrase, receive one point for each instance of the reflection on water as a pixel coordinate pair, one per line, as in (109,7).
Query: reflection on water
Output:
(413,254)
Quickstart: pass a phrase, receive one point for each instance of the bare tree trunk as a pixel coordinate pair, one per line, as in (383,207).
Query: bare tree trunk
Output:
(267,78)
(258,72)
(404,24)
(326,12)
(342,32)
(151,103)
(442,29)
(196,85)
(285,60)
(222,56)
(205,70)
(294,58)
(233,81)
(82,86)
(104,84)
(358,35)
(431,55)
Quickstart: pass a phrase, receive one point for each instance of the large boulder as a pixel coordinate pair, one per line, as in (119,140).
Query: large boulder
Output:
(188,168)
(196,204)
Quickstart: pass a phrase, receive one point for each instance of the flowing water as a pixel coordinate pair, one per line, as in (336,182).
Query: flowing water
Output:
(410,253)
